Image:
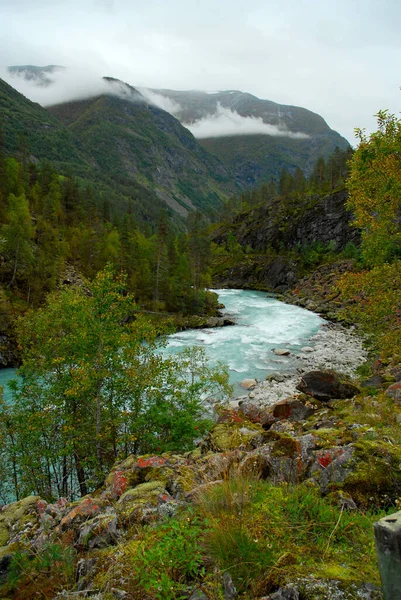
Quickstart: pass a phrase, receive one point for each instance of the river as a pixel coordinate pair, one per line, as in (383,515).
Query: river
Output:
(263,323)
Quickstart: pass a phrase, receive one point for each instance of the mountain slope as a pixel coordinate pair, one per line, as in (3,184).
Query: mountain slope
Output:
(294,136)
(41,76)
(26,124)
(132,140)
(130,152)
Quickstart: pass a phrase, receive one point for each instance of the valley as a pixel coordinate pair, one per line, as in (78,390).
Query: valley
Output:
(123,227)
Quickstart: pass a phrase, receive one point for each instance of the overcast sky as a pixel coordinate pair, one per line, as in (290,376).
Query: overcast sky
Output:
(339,58)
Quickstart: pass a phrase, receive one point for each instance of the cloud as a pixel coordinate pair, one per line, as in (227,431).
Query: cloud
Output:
(161,101)
(67,85)
(225,122)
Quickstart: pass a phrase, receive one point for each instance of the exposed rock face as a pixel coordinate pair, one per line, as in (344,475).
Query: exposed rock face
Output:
(319,219)
(280,227)
(276,273)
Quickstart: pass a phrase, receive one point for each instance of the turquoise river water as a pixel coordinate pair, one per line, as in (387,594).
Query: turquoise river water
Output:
(263,323)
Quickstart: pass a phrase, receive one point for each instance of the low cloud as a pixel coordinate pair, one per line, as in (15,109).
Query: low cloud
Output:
(226,122)
(65,85)
(161,101)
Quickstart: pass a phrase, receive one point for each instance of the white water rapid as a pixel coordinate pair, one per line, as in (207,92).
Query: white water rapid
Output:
(263,323)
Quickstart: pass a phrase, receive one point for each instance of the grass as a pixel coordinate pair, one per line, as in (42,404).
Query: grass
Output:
(262,535)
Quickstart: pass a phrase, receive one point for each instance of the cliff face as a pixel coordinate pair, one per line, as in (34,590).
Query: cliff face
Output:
(277,233)
(285,224)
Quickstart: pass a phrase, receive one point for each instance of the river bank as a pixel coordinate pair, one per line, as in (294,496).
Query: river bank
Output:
(334,347)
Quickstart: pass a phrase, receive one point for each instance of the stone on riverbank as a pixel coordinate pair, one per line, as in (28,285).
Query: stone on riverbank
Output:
(326,385)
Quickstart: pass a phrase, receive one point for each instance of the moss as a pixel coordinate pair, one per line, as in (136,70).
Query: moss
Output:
(375,476)
(4,534)
(229,436)
(195,454)
(143,492)
(18,513)
(163,474)
(327,438)
(186,479)
(286,446)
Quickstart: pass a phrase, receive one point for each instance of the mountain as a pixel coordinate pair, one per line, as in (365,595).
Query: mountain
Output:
(128,150)
(27,125)
(132,140)
(282,136)
(241,140)
(39,75)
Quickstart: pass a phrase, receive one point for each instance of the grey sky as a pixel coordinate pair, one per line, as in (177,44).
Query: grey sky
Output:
(339,58)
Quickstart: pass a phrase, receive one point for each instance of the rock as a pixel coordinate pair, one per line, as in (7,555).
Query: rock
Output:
(85,509)
(248,384)
(144,492)
(293,409)
(230,591)
(315,589)
(231,435)
(257,463)
(119,484)
(17,517)
(287,593)
(200,489)
(337,470)
(376,382)
(307,349)
(256,414)
(394,391)
(99,532)
(198,595)
(278,377)
(84,571)
(326,385)
(119,594)
(281,352)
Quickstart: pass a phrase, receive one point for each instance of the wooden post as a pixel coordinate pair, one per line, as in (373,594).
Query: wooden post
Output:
(388,550)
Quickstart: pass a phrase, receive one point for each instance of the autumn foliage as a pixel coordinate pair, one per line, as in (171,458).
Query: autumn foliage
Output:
(375,199)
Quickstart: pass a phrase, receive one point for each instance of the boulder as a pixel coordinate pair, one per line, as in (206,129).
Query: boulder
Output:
(394,391)
(282,352)
(18,517)
(256,414)
(326,385)
(248,384)
(84,509)
(229,436)
(99,532)
(336,471)
(293,409)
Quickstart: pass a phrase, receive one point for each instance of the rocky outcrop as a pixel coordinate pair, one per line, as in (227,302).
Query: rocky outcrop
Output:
(279,230)
(295,440)
(280,224)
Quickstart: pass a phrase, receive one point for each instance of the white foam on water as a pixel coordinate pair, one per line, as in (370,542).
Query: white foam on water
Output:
(263,323)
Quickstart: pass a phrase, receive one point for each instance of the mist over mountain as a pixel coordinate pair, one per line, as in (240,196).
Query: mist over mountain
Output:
(132,152)
(253,137)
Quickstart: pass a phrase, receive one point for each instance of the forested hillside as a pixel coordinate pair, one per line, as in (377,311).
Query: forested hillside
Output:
(296,137)
(131,153)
